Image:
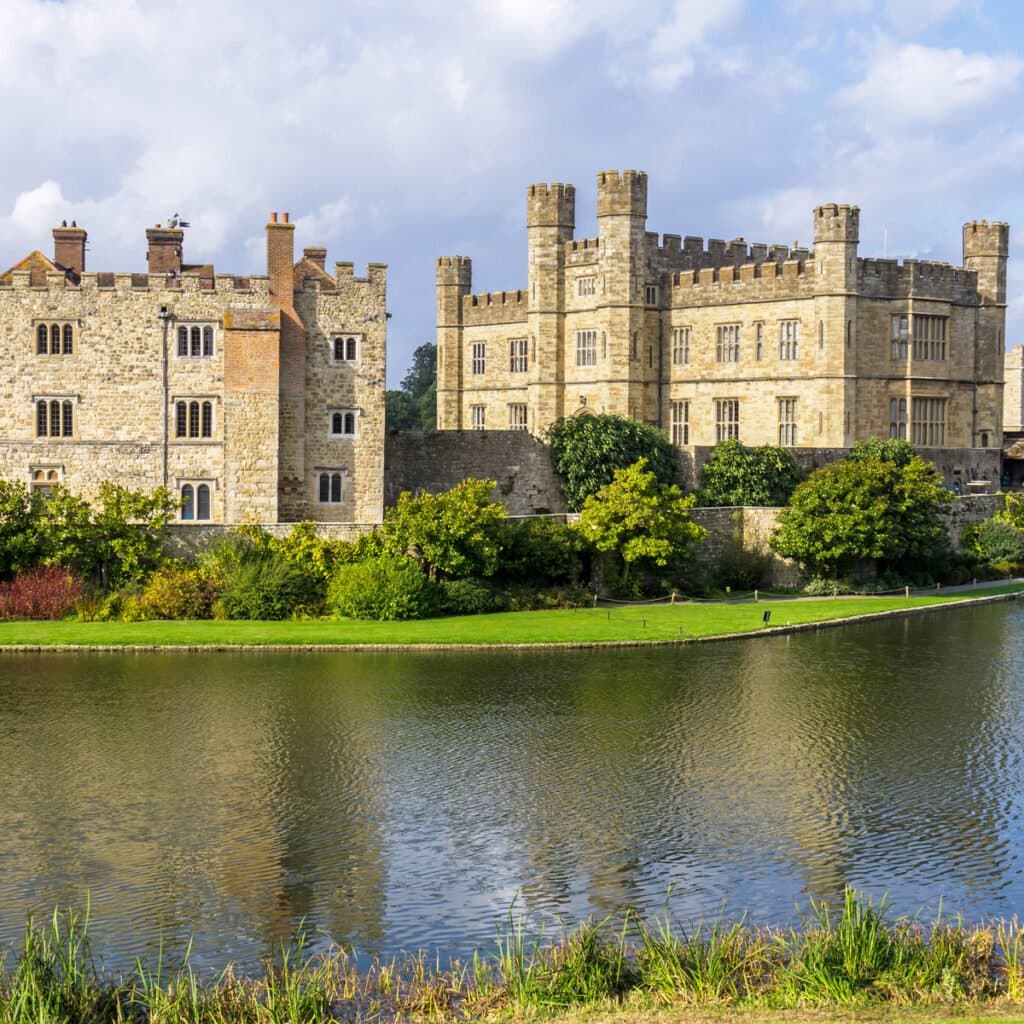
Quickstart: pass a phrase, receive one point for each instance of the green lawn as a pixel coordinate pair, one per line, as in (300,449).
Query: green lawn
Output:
(584,626)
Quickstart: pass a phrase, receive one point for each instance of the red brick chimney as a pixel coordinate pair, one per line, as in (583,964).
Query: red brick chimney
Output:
(281,259)
(69,249)
(164,254)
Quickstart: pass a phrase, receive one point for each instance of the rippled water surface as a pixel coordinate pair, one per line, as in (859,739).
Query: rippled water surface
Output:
(397,802)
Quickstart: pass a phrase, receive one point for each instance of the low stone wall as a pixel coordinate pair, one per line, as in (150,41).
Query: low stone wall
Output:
(750,529)
(437,460)
(187,541)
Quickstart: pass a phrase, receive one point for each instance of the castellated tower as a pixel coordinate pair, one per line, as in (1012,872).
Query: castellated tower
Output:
(454,282)
(836,237)
(550,224)
(622,227)
(986,247)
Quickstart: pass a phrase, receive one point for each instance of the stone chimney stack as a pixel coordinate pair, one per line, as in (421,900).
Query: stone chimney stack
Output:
(164,254)
(316,255)
(69,249)
(281,259)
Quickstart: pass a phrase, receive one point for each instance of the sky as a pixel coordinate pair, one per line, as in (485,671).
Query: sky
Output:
(397,132)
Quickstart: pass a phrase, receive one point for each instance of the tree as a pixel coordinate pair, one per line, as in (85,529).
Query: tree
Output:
(737,475)
(414,407)
(640,519)
(587,450)
(454,534)
(20,512)
(889,449)
(864,508)
(116,542)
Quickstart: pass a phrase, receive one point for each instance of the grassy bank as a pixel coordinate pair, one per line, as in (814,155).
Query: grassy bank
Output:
(582,626)
(854,959)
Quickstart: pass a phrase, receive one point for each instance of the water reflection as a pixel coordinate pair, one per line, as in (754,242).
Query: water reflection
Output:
(405,801)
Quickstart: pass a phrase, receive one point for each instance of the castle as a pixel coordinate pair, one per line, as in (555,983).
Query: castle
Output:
(253,399)
(806,348)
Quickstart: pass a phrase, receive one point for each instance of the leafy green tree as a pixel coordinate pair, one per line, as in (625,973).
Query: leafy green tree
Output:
(737,475)
(114,542)
(414,407)
(994,540)
(887,449)
(20,513)
(865,508)
(587,450)
(1012,511)
(453,534)
(640,519)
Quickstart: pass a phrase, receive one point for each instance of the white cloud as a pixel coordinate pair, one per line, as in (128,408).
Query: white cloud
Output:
(924,87)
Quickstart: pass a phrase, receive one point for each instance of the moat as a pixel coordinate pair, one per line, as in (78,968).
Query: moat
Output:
(396,802)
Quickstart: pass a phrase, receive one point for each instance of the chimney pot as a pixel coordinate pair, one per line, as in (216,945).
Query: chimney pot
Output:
(284,218)
(273,217)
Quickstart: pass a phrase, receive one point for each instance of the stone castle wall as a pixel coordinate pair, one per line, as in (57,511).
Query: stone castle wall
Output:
(435,461)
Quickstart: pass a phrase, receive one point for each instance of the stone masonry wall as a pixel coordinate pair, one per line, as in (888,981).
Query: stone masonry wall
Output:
(436,460)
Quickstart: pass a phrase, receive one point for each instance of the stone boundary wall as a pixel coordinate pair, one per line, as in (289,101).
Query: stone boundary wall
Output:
(188,541)
(437,460)
(955,464)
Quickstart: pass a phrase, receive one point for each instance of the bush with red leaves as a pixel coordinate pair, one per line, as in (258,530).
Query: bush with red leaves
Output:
(45,592)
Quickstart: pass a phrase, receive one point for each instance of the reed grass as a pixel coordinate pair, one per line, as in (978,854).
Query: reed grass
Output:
(854,955)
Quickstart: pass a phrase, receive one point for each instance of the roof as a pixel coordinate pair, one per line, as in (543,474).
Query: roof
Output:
(307,268)
(36,264)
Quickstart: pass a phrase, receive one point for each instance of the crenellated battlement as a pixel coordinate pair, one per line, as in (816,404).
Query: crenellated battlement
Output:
(765,280)
(495,307)
(132,281)
(885,278)
(622,193)
(984,239)
(837,222)
(452,271)
(551,206)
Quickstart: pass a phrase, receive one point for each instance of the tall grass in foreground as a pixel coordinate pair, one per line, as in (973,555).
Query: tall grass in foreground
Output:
(853,955)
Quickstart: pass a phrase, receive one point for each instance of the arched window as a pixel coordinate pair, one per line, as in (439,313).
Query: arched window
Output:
(193,419)
(43,343)
(55,419)
(350,348)
(203,502)
(335,487)
(180,419)
(336,423)
(41,418)
(68,417)
(207,424)
(182,341)
(984,440)
(69,339)
(196,343)
(339,349)
(188,510)
(350,423)
(207,341)
(54,339)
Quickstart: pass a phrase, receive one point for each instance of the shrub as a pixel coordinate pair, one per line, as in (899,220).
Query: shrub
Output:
(386,587)
(45,592)
(541,550)
(178,591)
(996,540)
(266,586)
(737,475)
(467,597)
